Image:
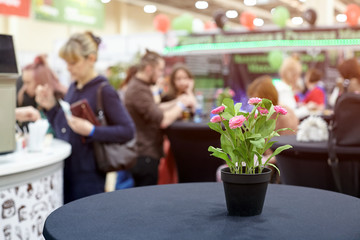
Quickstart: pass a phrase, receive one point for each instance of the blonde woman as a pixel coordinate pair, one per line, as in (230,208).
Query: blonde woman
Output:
(81,176)
(290,72)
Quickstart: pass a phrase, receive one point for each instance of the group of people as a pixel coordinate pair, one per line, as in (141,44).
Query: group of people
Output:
(137,111)
(137,114)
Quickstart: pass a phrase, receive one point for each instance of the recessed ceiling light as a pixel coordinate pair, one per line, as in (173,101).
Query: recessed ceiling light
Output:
(302,1)
(297,20)
(250,2)
(105,1)
(201,5)
(150,8)
(258,22)
(231,14)
(341,17)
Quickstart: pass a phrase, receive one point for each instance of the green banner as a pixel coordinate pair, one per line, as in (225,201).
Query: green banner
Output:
(88,13)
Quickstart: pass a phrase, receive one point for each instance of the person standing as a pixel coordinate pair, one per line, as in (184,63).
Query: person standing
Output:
(150,118)
(33,75)
(290,72)
(81,175)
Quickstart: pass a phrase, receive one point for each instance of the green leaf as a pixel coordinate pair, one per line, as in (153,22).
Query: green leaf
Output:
(258,143)
(216,127)
(279,150)
(226,143)
(217,152)
(268,145)
(227,115)
(284,129)
(271,112)
(274,166)
(237,108)
(267,128)
(240,135)
(250,135)
(229,104)
(266,103)
(260,121)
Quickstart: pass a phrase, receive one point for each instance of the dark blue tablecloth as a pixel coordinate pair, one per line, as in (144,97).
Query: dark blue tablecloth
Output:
(198,211)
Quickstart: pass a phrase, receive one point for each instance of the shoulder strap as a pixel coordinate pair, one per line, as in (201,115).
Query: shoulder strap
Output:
(99,104)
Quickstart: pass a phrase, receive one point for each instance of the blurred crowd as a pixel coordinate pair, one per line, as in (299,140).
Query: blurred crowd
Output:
(146,103)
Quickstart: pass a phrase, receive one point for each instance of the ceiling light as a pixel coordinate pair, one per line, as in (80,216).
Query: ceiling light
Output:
(105,1)
(272,11)
(297,20)
(250,2)
(201,5)
(150,8)
(258,22)
(302,1)
(341,17)
(231,14)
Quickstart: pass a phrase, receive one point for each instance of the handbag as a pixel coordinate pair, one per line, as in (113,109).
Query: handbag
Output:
(112,156)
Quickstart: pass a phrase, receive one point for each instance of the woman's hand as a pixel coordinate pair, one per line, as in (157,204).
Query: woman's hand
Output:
(188,100)
(25,114)
(190,89)
(45,96)
(80,126)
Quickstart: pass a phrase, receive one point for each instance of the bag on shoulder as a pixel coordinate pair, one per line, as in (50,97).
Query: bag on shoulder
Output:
(345,126)
(112,156)
(115,156)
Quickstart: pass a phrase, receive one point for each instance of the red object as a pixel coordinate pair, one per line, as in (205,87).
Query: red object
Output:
(352,14)
(210,25)
(15,7)
(247,20)
(161,23)
(83,110)
(316,95)
(167,171)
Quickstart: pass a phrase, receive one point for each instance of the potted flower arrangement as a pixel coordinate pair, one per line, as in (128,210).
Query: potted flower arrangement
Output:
(244,138)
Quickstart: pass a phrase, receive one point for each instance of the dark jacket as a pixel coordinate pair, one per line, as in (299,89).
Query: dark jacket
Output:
(81,176)
(147,116)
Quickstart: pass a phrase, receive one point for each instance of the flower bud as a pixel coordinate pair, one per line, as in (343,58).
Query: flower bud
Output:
(218,110)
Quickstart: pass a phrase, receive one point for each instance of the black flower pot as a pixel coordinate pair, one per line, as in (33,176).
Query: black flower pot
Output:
(245,193)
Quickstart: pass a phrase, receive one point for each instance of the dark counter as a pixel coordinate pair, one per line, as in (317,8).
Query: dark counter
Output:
(189,143)
(306,164)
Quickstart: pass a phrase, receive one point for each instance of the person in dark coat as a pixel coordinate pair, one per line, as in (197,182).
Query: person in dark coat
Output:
(81,175)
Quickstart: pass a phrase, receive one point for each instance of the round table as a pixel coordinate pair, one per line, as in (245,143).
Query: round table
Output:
(306,164)
(198,211)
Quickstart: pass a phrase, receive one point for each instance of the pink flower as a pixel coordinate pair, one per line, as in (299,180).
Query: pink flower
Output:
(280,110)
(216,119)
(254,101)
(263,111)
(218,92)
(231,92)
(236,121)
(218,110)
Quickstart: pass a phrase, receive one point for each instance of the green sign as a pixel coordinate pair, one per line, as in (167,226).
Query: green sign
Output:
(88,13)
